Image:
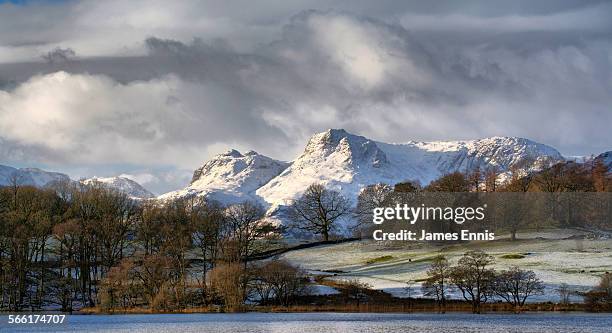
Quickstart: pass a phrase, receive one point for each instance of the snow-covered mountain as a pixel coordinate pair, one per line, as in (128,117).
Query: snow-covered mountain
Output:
(231,177)
(29,176)
(348,162)
(122,184)
(41,178)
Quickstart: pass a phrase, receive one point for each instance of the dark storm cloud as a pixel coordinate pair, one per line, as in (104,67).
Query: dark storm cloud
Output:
(154,86)
(59,55)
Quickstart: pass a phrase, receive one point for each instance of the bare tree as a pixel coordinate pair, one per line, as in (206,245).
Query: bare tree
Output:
(602,177)
(279,281)
(438,281)
(370,197)
(318,209)
(409,290)
(154,273)
(246,224)
(353,289)
(491,179)
(514,286)
(513,210)
(552,179)
(117,213)
(518,182)
(474,179)
(565,292)
(208,224)
(230,282)
(515,206)
(452,182)
(474,277)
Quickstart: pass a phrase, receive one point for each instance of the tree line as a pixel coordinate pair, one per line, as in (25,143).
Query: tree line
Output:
(562,195)
(478,283)
(73,246)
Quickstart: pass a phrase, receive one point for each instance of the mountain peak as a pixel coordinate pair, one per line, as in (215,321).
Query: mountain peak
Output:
(121,184)
(231,176)
(341,145)
(232,153)
(326,139)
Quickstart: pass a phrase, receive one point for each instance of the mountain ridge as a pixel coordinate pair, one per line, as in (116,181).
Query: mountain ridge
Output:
(29,176)
(42,178)
(347,162)
(122,184)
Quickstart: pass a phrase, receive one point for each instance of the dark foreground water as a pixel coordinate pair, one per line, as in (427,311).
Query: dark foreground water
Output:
(324,323)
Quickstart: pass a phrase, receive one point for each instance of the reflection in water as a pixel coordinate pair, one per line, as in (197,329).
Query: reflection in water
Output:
(327,322)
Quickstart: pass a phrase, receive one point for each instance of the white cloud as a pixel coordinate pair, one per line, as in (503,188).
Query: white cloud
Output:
(94,119)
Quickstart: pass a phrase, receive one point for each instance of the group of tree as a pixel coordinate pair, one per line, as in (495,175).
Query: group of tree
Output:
(478,282)
(591,176)
(566,194)
(75,245)
(274,282)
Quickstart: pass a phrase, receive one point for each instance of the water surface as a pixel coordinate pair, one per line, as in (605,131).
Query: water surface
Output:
(326,322)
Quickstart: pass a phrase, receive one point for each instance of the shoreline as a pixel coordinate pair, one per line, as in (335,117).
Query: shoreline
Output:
(353,308)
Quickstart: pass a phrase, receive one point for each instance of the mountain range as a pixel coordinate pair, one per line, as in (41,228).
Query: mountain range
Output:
(41,178)
(348,162)
(340,160)
(29,176)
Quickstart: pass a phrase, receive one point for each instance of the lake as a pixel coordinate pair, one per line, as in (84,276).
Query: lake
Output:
(325,322)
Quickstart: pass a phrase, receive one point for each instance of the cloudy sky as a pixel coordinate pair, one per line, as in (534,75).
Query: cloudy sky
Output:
(152,89)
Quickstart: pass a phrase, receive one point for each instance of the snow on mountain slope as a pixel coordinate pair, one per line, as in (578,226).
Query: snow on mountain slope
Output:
(29,176)
(606,158)
(41,178)
(6,172)
(348,162)
(122,184)
(231,177)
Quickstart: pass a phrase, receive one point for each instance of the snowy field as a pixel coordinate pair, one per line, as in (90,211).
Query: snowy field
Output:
(557,256)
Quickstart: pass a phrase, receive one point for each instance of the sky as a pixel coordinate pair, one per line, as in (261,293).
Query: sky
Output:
(152,89)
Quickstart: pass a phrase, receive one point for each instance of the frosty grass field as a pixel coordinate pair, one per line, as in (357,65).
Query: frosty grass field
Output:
(556,256)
